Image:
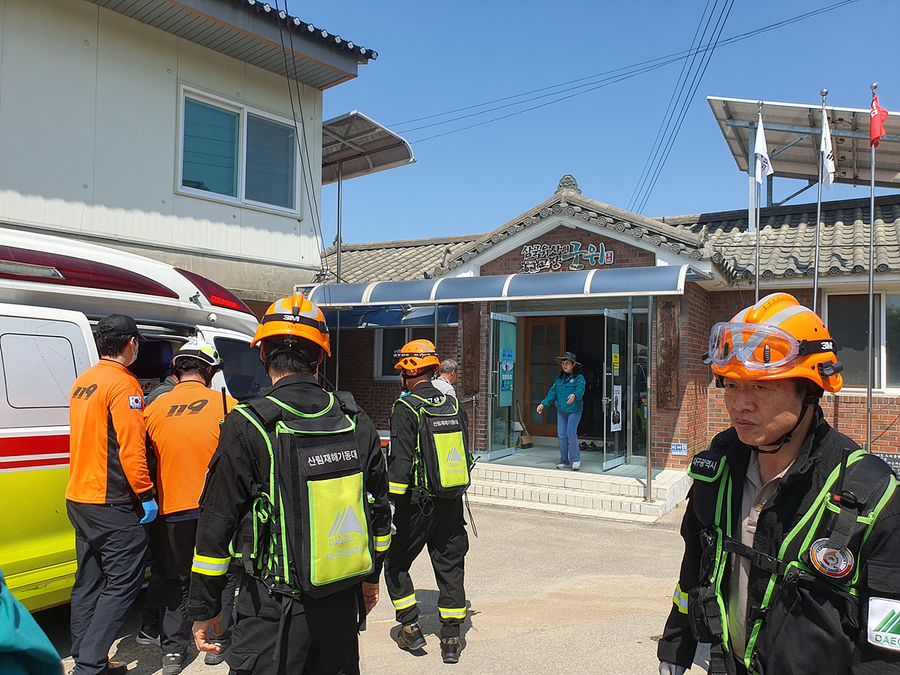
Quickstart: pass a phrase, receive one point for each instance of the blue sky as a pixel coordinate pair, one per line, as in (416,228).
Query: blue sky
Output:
(439,56)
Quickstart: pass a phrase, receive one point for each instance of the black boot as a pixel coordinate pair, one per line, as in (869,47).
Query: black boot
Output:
(450,648)
(410,637)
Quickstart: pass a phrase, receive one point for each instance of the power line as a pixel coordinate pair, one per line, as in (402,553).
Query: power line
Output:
(302,146)
(695,84)
(610,78)
(663,125)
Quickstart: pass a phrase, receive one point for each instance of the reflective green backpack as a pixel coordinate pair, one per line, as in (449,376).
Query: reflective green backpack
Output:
(312,528)
(443,460)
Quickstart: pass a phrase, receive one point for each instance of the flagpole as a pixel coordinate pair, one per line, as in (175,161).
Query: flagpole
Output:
(823,93)
(870,348)
(758,228)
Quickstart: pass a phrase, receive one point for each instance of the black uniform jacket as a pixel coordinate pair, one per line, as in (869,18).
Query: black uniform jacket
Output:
(836,628)
(241,460)
(404,440)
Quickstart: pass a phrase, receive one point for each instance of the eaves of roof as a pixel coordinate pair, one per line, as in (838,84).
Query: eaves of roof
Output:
(255,32)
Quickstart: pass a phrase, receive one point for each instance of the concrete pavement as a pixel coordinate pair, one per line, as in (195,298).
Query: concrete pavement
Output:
(548,593)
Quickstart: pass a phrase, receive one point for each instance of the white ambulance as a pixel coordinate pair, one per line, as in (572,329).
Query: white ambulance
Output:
(52,290)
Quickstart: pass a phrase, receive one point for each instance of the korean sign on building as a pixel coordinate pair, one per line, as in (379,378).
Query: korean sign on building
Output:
(571,256)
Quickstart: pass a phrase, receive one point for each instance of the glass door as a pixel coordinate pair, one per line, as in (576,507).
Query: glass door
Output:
(503,359)
(615,390)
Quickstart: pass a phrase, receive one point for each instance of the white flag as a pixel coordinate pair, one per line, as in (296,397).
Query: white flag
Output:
(827,154)
(763,165)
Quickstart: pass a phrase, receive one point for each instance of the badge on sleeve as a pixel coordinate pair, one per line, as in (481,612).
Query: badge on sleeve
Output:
(884,623)
(135,402)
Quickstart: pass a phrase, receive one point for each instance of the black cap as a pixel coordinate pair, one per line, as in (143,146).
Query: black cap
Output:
(117,324)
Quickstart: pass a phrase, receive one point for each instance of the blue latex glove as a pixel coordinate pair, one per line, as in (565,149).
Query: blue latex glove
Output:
(151,510)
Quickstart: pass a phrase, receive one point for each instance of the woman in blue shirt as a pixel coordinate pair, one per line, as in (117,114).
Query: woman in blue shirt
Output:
(567,394)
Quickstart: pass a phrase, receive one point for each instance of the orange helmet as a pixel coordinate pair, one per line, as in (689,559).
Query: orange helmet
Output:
(417,354)
(775,339)
(295,315)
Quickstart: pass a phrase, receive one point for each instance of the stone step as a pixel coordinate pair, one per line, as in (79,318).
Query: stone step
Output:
(563,509)
(579,499)
(586,482)
(610,496)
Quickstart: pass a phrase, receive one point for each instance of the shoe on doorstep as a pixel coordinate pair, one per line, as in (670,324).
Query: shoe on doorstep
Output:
(410,637)
(147,636)
(172,664)
(215,659)
(576,466)
(450,648)
(115,668)
(562,465)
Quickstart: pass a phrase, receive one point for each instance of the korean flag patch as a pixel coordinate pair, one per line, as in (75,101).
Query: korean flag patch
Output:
(884,623)
(135,402)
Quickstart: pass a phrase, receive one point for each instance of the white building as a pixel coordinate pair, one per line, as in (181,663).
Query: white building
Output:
(182,131)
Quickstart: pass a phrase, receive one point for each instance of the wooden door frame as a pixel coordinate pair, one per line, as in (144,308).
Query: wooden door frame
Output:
(530,321)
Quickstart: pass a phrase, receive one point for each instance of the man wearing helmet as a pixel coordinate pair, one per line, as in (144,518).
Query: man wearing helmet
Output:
(426,512)
(298,489)
(791,534)
(183,430)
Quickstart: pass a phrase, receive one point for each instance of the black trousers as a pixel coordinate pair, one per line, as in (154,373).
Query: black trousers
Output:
(442,530)
(178,553)
(308,636)
(111,551)
(151,617)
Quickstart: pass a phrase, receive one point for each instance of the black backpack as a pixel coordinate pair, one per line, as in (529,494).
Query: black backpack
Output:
(443,462)
(312,529)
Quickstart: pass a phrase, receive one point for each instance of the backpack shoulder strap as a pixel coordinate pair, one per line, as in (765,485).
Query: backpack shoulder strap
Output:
(267,411)
(415,406)
(865,483)
(348,403)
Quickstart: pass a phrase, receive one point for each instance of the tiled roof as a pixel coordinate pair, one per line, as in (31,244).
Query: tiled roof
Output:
(393,260)
(787,238)
(570,203)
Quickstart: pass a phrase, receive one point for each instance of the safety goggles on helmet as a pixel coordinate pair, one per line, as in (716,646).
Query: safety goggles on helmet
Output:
(760,346)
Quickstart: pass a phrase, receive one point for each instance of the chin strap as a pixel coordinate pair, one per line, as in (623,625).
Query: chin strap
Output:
(807,402)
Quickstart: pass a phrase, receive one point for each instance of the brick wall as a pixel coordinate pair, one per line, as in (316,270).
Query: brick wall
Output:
(687,423)
(625,255)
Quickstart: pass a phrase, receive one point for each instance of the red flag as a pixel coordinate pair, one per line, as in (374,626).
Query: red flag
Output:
(876,126)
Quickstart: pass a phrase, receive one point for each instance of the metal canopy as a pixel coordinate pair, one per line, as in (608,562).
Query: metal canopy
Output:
(628,281)
(393,317)
(359,145)
(785,123)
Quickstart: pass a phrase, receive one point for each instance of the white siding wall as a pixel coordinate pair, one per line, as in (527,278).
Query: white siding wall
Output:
(89,110)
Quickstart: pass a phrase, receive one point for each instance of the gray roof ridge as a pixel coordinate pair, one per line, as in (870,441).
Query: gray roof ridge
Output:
(403,243)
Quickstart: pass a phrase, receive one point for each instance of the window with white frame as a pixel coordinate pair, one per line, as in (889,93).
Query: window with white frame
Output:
(389,340)
(848,320)
(233,153)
